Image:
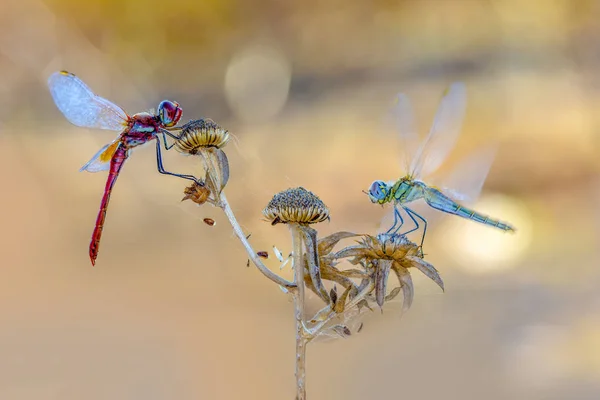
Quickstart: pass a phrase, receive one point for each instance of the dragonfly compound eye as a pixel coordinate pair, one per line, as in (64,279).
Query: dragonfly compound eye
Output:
(169,113)
(377,191)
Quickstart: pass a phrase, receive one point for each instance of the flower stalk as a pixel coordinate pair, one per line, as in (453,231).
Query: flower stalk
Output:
(298,296)
(314,261)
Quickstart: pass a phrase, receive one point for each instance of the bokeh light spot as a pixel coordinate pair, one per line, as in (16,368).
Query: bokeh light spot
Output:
(257,82)
(480,248)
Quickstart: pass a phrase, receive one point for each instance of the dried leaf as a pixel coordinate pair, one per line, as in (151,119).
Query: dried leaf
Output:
(341,330)
(333,296)
(426,268)
(223,164)
(381,276)
(393,293)
(350,251)
(326,244)
(354,273)
(406,283)
(321,315)
(364,303)
(340,305)
(310,239)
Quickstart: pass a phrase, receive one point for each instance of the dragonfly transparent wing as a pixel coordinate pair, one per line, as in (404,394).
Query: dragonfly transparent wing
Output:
(465,182)
(444,132)
(81,106)
(401,118)
(101,160)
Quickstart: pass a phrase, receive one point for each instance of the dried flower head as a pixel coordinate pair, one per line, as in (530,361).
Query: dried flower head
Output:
(198,193)
(296,205)
(201,133)
(379,255)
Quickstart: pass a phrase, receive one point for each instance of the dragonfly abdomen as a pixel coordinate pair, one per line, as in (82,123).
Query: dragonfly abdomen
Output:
(116,164)
(440,201)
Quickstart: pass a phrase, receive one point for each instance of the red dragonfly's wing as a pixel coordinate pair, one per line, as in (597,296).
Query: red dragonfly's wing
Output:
(101,160)
(81,106)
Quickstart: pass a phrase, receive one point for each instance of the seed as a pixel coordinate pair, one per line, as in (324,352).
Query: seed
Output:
(209,221)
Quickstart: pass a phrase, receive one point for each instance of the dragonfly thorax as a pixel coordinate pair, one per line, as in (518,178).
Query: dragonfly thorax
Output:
(406,190)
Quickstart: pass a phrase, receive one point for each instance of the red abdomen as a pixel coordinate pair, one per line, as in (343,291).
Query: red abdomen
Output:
(116,164)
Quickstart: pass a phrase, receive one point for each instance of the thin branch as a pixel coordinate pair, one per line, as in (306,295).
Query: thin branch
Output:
(221,201)
(298,295)
(251,253)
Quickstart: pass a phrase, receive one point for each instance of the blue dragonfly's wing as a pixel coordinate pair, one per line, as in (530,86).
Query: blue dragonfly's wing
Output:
(401,119)
(465,182)
(443,133)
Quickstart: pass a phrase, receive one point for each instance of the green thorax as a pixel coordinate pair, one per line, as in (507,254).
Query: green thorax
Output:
(406,190)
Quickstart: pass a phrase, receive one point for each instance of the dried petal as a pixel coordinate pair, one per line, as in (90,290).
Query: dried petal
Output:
(333,296)
(364,303)
(381,276)
(217,168)
(327,243)
(393,293)
(321,315)
(406,283)
(310,240)
(340,305)
(341,330)
(223,164)
(427,269)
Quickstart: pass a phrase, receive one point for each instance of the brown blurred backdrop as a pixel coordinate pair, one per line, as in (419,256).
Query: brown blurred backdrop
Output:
(171,312)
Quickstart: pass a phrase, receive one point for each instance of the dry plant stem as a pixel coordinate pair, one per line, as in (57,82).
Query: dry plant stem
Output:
(251,253)
(221,201)
(298,295)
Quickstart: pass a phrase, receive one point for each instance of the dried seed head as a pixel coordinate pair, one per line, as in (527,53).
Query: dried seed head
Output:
(201,133)
(296,205)
(197,193)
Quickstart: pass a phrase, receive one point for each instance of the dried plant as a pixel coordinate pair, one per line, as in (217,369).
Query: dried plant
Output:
(370,259)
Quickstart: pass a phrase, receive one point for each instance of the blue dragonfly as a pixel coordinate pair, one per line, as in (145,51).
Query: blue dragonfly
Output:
(422,158)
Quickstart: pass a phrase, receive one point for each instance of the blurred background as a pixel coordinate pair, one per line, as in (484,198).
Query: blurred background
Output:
(171,310)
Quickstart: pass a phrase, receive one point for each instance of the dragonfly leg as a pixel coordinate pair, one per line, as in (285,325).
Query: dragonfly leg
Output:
(162,170)
(396,227)
(412,215)
(172,136)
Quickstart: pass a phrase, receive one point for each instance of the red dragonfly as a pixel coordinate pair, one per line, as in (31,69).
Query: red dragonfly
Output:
(83,108)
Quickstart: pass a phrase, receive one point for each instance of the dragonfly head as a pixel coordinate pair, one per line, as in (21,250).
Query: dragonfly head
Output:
(378,192)
(169,113)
